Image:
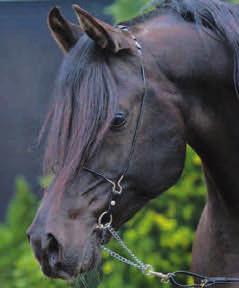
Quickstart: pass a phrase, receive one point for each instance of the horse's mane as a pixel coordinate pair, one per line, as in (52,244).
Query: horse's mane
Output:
(85,103)
(219,16)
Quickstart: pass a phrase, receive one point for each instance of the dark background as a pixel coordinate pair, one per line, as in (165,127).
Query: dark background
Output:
(29,60)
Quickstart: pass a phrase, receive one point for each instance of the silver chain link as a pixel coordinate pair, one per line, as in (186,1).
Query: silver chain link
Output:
(125,247)
(146,269)
(135,262)
(121,258)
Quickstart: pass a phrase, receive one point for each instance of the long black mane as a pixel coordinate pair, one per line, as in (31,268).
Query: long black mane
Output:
(219,16)
(85,103)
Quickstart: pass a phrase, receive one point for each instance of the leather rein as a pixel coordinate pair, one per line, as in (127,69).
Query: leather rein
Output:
(106,218)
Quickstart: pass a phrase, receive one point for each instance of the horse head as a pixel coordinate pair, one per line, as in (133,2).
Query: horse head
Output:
(115,117)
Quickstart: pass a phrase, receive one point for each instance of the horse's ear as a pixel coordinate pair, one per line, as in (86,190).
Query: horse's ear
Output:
(64,32)
(105,35)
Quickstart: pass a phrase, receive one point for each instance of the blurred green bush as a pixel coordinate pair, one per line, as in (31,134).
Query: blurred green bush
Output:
(123,10)
(18,268)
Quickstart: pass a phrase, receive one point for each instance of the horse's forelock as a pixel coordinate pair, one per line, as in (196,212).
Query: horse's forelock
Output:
(85,103)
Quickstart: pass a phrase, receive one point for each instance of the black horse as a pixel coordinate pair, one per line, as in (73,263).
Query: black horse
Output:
(123,116)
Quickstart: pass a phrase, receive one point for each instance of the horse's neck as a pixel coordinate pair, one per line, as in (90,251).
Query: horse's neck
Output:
(202,69)
(215,248)
(215,136)
(211,124)
(213,132)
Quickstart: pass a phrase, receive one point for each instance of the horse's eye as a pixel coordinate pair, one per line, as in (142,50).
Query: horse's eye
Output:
(119,120)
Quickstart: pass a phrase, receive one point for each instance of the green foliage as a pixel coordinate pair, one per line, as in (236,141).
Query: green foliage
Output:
(123,10)
(18,267)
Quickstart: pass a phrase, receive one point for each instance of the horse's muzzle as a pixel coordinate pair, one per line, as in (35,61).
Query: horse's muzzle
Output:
(48,252)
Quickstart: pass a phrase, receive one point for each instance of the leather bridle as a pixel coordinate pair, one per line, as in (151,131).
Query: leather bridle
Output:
(106,218)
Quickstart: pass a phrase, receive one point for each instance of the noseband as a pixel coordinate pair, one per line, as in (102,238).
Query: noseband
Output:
(106,218)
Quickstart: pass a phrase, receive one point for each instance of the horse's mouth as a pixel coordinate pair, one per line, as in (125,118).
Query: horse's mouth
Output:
(70,273)
(57,269)
(59,273)
(69,269)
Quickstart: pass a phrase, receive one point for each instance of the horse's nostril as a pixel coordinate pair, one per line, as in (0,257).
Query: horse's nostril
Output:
(47,250)
(53,243)
(53,250)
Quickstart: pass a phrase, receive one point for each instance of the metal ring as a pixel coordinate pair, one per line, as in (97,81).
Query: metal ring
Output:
(106,225)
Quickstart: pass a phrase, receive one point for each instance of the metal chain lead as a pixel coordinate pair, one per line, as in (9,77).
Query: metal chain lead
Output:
(121,258)
(124,246)
(203,281)
(135,262)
